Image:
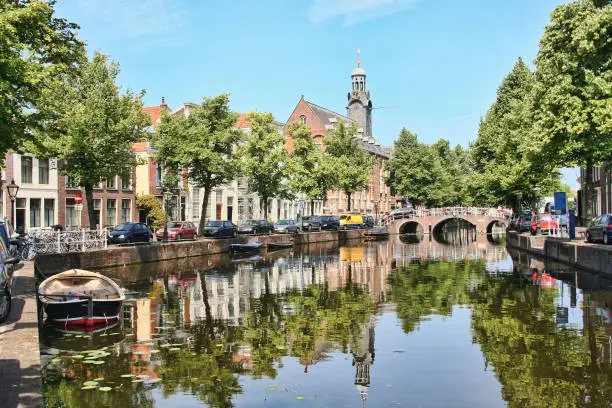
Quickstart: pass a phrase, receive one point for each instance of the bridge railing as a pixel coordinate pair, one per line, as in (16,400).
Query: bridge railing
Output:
(450,211)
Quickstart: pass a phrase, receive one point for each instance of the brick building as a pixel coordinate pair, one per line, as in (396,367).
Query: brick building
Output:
(377,198)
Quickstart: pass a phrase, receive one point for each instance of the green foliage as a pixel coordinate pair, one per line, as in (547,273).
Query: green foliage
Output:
(264,158)
(573,95)
(311,169)
(155,212)
(36,49)
(427,175)
(350,162)
(506,160)
(94,128)
(203,143)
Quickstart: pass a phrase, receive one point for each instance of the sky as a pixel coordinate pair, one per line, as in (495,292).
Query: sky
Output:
(432,67)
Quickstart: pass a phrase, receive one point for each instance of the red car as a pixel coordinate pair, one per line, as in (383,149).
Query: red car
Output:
(542,224)
(178,230)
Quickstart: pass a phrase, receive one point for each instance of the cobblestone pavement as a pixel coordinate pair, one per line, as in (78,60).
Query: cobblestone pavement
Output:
(20,370)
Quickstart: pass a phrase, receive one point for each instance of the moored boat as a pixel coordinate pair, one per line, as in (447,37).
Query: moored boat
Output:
(80,297)
(248,247)
(377,233)
(279,245)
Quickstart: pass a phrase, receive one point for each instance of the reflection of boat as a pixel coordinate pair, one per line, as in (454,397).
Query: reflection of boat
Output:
(78,338)
(248,247)
(377,233)
(272,246)
(93,330)
(547,281)
(246,258)
(79,297)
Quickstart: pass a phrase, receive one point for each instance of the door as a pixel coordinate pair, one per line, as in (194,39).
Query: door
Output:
(230,211)
(219,208)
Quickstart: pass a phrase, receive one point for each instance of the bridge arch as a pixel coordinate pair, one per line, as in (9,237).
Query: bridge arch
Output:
(410,227)
(463,222)
(501,224)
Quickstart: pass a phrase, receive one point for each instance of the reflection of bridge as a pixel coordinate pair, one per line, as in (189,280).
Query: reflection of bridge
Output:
(435,219)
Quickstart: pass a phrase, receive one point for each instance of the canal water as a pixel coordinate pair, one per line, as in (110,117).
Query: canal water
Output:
(455,321)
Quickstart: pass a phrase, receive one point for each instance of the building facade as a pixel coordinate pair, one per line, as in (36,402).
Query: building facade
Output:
(377,197)
(601,178)
(36,203)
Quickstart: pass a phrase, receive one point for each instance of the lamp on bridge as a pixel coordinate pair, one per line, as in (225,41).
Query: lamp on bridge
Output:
(536,195)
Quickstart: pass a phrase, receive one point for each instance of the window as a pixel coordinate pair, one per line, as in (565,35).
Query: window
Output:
(303,119)
(34,212)
(26,169)
(125,210)
(125,183)
(71,182)
(111,212)
(159,175)
(110,183)
(43,171)
(49,212)
(72,219)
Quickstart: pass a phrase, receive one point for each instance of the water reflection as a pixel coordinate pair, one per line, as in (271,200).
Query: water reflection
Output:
(319,325)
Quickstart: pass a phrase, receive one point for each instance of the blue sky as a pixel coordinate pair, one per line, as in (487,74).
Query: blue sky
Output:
(435,65)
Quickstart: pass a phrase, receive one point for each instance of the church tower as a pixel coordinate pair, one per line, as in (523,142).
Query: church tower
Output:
(359,107)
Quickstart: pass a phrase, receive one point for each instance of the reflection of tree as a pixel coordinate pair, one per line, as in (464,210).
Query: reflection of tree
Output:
(430,288)
(206,369)
(538,364)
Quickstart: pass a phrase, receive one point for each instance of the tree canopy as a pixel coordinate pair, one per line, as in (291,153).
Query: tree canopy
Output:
(36,49)
(96,126)
(203,143)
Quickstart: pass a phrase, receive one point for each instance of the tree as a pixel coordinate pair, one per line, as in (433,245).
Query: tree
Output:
(36,49)
(351,163)
(312,171)
(506,162)
(155,212)
(203,143)
(573,95)
(96,127)
(264,158)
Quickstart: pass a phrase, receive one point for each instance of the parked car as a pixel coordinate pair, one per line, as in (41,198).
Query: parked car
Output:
(329,222)
(127,232)
(311,223)
(600,229)
(7,233)
(351,221)
(256,227)
(368,220)
(522,223)
(286,227)
(178,230)
(403,212)
(542,224)
(219,229)
(7,265)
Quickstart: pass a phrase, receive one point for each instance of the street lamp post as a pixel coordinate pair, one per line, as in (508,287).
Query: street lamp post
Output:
(536,194)
(12,190)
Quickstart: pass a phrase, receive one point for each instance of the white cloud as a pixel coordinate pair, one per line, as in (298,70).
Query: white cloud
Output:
(141,23)
(356,11)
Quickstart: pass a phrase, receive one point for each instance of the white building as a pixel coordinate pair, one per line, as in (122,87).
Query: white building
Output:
(36,204)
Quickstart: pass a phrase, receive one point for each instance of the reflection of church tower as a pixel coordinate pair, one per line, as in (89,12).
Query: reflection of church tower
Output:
(363,357)
(359,107)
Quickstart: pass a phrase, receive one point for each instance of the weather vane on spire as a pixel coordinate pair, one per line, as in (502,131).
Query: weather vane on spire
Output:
(358,59)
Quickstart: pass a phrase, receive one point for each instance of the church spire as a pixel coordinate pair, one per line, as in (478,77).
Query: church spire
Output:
(359,107)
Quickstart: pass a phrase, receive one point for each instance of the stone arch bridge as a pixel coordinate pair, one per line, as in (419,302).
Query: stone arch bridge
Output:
(433,220)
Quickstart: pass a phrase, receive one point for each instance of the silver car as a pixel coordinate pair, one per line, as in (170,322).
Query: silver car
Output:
(286,227)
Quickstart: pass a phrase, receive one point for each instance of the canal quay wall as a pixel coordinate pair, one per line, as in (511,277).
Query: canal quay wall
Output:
(591,257)
(48,264)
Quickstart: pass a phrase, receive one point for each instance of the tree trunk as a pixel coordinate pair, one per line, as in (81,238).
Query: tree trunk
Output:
(589,197)
(348,198)
(203,212)
(90,208)
(265,206)
(311,207)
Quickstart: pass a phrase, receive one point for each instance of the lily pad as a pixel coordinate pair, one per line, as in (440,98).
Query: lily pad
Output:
(143,376)
(140,353)
(78,357)
(91,383)
(300,397)
(127,375)
(105,389)
(56,360)
(154,351)
(174,349)
(89,387)
(99,379)
(137,380)
(271,389)
(155,380)
(98,362)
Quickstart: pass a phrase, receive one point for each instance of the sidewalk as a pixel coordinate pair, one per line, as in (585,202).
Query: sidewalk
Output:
(20,370)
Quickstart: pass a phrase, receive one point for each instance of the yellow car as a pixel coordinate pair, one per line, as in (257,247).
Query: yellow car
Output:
(351,221)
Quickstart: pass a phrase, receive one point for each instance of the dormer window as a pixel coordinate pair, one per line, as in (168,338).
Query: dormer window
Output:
(303,119)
